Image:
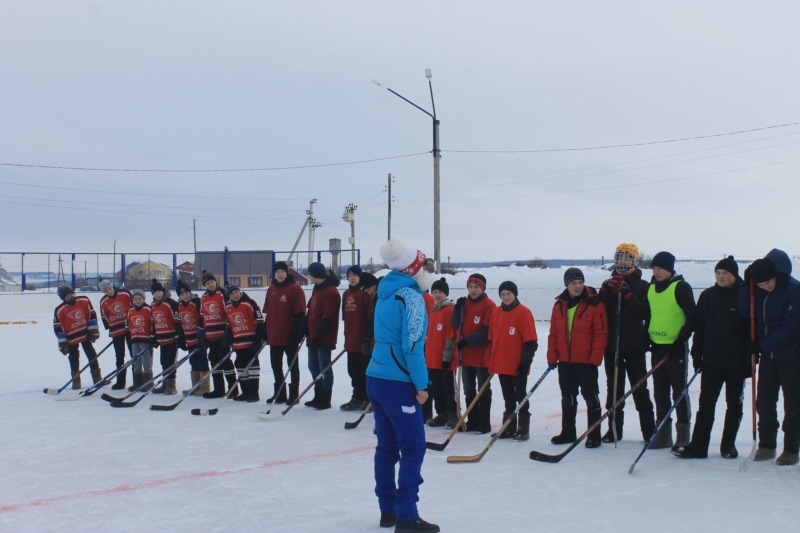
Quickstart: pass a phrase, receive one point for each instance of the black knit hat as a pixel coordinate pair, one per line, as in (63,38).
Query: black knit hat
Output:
(156,286)
(355,269)
(183,287)
(762,270)
(572,274)
(229,288)
(441,285)
(317,270)
(207,276)
(368,280)
(64,290)
(728,265)
(664,260)
(478,279)
(280,265)
(508,286)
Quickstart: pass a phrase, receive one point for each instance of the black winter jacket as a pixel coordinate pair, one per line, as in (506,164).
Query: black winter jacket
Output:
(634,311)
(721,333)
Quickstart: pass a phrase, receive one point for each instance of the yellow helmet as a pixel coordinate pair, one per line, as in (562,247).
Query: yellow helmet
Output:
(626,257)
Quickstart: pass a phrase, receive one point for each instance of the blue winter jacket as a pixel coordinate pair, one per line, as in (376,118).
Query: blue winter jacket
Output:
(401,324)
(777,312)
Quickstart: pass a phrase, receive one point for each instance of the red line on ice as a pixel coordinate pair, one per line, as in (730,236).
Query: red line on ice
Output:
(178,479)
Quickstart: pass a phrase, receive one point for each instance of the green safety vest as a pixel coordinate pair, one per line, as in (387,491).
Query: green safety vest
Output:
(666,316)
(570,318)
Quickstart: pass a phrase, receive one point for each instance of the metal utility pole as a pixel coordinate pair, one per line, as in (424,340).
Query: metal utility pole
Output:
(194,226)
(114,265)
(436,178)
(312,226)
(389,190)
(350,216)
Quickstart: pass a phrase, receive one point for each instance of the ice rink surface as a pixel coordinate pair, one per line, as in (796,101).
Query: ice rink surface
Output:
(84,466)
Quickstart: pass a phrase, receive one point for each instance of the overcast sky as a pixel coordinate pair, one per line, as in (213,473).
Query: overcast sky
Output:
(231,85)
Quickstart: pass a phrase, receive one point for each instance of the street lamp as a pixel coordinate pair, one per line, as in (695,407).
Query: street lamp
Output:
(436,157)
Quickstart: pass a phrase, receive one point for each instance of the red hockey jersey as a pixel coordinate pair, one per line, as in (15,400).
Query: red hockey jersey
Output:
(114,311)
(191,320)
(72,319)
(439,331)
(140,323)
(166,320)
(356,314)
(212,307)
(477,315)
(244,318)
(508,331)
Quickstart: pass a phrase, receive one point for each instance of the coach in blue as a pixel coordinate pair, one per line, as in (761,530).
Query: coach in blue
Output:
(397,383)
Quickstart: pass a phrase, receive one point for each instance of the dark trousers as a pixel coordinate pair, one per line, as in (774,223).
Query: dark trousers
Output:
(572,376)
(243,358)
(276,361)
(635,366)
(671,376)
(199,359)
(357,364)
(168,354)
(473,378)
(776,375)
(216,351)
(514,390)
(711,382)
(119,348)
(74,356)
(319,357)
(443,390)
(401,438)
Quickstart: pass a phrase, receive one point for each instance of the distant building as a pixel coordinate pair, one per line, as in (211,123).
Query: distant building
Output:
(252,268)
(9,283)
(140,275)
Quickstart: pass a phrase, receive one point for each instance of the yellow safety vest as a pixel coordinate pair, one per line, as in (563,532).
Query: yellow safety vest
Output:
(666,316)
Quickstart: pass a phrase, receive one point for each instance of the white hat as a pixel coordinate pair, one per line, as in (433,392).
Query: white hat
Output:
(409,261)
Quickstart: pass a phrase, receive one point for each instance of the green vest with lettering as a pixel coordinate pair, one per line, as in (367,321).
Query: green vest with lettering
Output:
(666,316)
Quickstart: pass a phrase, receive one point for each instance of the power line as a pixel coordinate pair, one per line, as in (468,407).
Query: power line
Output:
(619,145)
(265,169)
(191,208)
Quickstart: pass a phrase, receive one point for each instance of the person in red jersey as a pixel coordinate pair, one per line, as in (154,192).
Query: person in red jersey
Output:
(189,311)
(212,305)
(322,331)
(284,310)
(75,324)
(114,306)
(440,343)
(246,324)
(577,340)
(143,338)
(167,325)
(357,317)
(474,349)
(514,343)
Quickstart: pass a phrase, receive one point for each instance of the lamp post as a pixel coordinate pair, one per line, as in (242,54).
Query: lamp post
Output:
(436,157)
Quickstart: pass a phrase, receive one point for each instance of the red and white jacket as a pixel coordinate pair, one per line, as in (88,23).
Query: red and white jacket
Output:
(140,323)
(191,320)
(114,311)
(245,320)
(72,319)
(212,307)
(166,320)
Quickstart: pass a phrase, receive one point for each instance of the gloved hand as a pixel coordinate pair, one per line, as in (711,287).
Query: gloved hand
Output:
(315,342)
(181,341)
(94,331)
(63,344)
(201,339)
(678,350)
(446,365)
(754,348)
(614,284)
(522,369)
(153,341)
(366,347)
(294,337)
(697,362)
(460,304)
(462,344)
(552,367)
(227,339)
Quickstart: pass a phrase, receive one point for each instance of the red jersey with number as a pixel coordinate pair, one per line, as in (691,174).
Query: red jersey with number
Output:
(166,320)
(283,302)
(140,323)
(114,311)
(72,319)
(508,331)
(477,315)
(356,314)
(191,320)
(439,330)
(244,317)
(212,307)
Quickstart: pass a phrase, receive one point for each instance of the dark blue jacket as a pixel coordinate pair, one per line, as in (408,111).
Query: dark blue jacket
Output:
(777,312)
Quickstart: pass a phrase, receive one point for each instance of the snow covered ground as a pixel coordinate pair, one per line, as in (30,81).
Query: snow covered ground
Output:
(83,465)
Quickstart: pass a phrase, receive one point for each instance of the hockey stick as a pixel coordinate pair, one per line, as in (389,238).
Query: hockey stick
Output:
(190,391)
(749,458)
(212,412)
(458,378)
(616,369)
(103,382)
(478,457)
(663,421)
(353,425)
(286,376)
(544,458)
(278,416)
(55,392)
(174,366)
(109,398)
(461,421)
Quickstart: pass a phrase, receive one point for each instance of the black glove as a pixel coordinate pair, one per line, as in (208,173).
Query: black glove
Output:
(153,341)
(366,347)
(315,342)
(63,344)
(748,274)
(697,363)
(460,303)
(227,339)
(446,365)
(522,369)
(678,350)
(754,348)
(181,340)
(294,338)
(201,339)
(462,344)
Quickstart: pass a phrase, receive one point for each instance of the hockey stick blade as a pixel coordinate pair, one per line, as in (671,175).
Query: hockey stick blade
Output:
(204,412)
(467,458)
(544,458)
(353,425)
(66,398)
(749,459)
(120,403)
(437,446)
(109,398)
(270,416)
(52,392)
(166,407)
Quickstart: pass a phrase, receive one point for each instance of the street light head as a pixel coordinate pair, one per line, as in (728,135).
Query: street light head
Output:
(376,82)
(428,73)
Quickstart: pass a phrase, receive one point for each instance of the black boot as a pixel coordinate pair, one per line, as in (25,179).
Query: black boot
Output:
(219,386)
(245,386)
(294,390)
(278,396)
(120,384)
(483,422)
(592,416)
(569,409)
(664,437)
(439,420)
(647,421)
(413,526)
(230,377)
(325,400)
(252,395)
(452,420)
(511,430)
(317,396)
(523,432)
(472,417)
(388,520)
(727,447)
(137,381)
(620,420)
